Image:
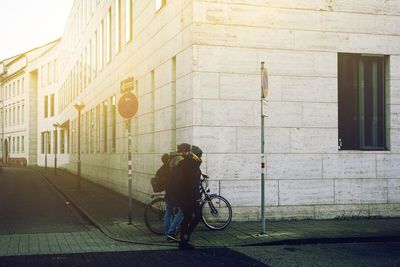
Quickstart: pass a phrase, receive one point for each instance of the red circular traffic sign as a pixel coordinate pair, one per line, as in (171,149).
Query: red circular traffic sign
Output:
(128,105)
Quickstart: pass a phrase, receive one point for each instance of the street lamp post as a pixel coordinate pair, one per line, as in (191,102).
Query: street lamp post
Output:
(79,106)
(46,149)
(55,147)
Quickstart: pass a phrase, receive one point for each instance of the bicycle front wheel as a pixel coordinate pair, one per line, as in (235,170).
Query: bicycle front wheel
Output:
(154,216)
(216,213)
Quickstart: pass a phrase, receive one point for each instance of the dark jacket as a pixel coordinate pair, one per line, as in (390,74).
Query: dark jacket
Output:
(189,180)
(171,186)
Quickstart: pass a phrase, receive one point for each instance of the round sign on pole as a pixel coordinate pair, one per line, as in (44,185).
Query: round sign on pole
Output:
(128,105)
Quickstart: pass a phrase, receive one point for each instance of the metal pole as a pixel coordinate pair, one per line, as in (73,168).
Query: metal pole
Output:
(46,149)
(128,125)
(79,149)
(263,167)
(55,149)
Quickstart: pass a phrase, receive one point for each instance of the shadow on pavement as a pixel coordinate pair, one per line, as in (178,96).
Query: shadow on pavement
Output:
(198,257)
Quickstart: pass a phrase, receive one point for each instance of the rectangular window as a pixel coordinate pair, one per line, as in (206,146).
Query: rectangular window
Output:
(17,143)
(113,123)
(105,126)
(361,102)
(18,112)
(23,85)
(51,105)
(55,70)
(128,20)
(46,110)
(87,131)
(117,26)
(108,36)
(49,73)
(91,131)
(101,42)
(13,144)
(22,113)
(18,87)
(55,142)
(94,57)
(48,140)
(23,143)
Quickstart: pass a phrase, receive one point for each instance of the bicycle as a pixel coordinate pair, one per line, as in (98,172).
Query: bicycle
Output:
(216,212)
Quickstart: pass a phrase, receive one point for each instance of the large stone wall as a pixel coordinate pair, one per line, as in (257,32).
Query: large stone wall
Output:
(307,176)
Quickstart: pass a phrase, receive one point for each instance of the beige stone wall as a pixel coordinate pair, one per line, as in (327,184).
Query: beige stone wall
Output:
(196,65)
(307,176)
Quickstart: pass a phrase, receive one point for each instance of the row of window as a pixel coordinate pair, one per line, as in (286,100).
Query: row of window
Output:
(14,115)
(97,124)
(49,73)
(15,88)
(98,50)
(16,144)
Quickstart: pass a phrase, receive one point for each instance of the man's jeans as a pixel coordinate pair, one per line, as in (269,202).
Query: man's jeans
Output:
(173,218)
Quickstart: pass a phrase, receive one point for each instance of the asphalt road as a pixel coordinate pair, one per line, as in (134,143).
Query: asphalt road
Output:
(28,204)
(348,254)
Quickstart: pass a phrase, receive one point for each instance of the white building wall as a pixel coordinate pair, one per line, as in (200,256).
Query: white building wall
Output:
(307,176)
(196,65)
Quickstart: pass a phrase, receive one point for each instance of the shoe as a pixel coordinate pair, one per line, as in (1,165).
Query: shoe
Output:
(172,238)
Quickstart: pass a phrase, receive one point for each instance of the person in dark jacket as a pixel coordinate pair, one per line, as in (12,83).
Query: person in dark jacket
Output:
(189,196)
(173,214)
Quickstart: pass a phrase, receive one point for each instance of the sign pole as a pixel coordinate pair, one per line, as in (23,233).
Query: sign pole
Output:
(128,125)
(264,91)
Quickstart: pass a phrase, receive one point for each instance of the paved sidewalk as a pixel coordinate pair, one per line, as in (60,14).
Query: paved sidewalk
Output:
(108,210)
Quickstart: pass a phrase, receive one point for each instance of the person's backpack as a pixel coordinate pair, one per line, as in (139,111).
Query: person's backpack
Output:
(159,182)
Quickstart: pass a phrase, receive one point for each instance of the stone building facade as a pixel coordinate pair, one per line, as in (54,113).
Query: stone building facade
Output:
(333,127)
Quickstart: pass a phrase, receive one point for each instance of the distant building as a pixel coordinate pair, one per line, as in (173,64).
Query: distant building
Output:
(19,107)
(333,125)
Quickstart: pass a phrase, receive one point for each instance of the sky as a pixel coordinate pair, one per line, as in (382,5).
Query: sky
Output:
(26,24)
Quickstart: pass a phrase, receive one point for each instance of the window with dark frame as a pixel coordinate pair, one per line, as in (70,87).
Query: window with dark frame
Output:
(361,102)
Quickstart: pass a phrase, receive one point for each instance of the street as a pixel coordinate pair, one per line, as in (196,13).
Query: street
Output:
(38,227)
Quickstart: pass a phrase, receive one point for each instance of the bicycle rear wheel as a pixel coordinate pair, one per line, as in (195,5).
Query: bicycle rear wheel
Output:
(154,215)
(216,213)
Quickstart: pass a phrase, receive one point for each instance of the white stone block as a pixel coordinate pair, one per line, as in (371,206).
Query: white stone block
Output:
(313,140)
(284,114)
(395,116)
(234,166)
(244,193)
(188,113)
(248,140)
(394,67)
(145,104)
(206,85)
(394,92)
(163,74)
(390,7)
(320,40)
(325,64)
(227,59)
(290,213)
(363,191)
(294,166)
(162,97)
(215,139)
(374,44)
(184,86)
(162,120)
(277,140)
(388,166)
(320,115)
(288,62)
(146,143)
(384,210)
(349,165)
(306,192)
(240,86)
(184,62)
(309,89)
(146,123)
(395,140)
(227,113)
(324,212)
(394,190)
